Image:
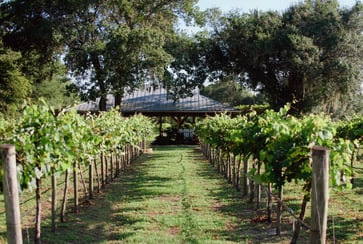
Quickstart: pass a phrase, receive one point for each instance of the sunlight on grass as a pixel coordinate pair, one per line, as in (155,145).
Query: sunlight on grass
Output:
(174,196)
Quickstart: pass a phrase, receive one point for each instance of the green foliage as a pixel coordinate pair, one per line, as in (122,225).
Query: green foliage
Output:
(280,142)
(133,56)
(14,86)
(54,90)
(30,45)
(35,138)
(311,53)
(255,108)
(185,72)
(125,47)
(38,30)
(109,46)
(18,85)
(47,143)
(351,129)
(232,93)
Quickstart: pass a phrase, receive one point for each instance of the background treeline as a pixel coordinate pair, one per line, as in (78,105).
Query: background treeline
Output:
(311,53)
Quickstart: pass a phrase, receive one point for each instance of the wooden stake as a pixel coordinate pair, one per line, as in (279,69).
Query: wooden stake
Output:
(11,194)
(65,196)
(90,179)
(54,203)
(75,187)
(319,195)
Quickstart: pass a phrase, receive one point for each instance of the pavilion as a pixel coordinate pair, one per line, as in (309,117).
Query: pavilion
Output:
(157,103)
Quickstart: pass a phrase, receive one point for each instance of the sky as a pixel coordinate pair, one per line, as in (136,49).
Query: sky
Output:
(247,5)
(264,5)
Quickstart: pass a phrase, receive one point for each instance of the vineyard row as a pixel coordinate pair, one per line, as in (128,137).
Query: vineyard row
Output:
(50,144)
(274,148)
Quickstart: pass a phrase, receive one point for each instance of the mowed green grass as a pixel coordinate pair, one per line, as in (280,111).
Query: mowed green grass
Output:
(174,195)
(169,196)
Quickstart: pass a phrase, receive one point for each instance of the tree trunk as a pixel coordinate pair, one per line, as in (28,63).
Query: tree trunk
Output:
(65,196)
(118,99)
(103,102)
(38,193)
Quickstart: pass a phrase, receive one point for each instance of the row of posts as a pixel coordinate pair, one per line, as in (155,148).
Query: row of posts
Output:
(319,194)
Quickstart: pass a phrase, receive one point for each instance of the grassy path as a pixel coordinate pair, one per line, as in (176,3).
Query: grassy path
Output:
(174,199)
(174,196)
(169,196)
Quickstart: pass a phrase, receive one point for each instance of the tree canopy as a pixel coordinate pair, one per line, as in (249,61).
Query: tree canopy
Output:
(311,54)
(31,35)
(14,86)
(231,92)
(108,45)
(123,45)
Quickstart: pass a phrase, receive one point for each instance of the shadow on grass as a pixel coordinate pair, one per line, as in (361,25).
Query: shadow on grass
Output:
(244,229)
(358,183)
(344,229)
(263,232)
(99,216)
(95,222)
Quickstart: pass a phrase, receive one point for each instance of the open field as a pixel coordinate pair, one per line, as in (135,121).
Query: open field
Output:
(174,196)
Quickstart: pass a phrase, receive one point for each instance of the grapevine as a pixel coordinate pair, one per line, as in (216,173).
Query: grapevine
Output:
(280,144)
(50,143)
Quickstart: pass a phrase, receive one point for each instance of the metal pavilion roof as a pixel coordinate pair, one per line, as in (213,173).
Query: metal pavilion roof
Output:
(156,102)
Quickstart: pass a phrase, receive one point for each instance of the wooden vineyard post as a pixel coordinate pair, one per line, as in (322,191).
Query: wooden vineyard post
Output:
(75,187)
(90,179)
(11,194)
(54,203)
(144,144)
(319,195)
